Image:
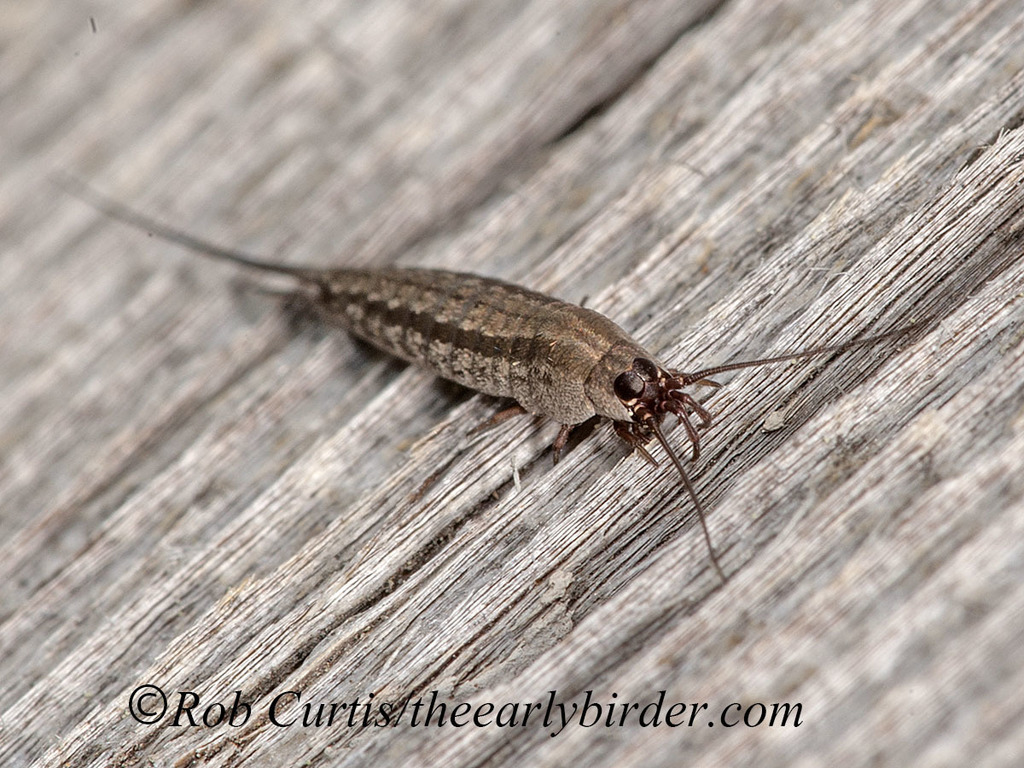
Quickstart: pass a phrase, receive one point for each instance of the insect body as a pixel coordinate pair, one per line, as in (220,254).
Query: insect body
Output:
(553,358)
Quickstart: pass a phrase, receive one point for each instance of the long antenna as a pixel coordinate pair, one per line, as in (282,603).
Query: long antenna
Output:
(693,494)
(700,376)
(131,217)
(693,378)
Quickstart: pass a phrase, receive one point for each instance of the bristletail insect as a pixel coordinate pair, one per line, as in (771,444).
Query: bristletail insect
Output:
(553,358)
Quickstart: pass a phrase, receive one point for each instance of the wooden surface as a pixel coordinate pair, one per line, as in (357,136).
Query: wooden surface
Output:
(198,494)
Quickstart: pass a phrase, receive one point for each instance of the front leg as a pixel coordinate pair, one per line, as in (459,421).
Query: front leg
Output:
(633,435)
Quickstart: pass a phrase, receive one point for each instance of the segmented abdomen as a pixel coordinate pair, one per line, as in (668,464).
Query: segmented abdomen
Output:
(486,334)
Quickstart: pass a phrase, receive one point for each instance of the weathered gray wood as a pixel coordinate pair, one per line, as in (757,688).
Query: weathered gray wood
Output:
(196,495)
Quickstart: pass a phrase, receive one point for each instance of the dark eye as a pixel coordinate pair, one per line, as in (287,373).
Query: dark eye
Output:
(646,368)
(628,386)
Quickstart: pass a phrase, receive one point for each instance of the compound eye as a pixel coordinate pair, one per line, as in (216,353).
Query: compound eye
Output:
(646,368)
(628,386)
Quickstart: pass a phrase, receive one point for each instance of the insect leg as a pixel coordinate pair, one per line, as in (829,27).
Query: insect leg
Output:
(691,432)
(699,410)
(503,415)
(630,434)
(560,441)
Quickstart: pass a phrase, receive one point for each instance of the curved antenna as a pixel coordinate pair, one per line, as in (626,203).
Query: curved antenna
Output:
(690,490)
